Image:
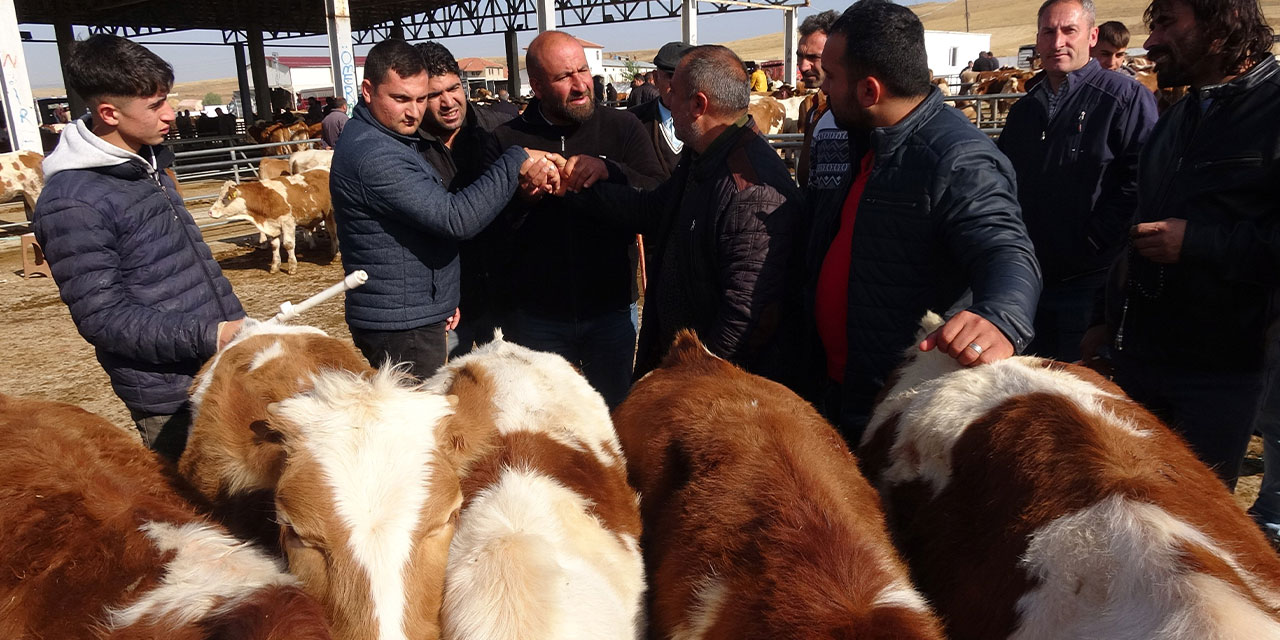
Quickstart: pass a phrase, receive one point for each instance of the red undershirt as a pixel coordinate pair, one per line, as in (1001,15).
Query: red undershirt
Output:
(832,304)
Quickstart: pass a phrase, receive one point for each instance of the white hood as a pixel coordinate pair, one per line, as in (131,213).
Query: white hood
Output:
(80,148)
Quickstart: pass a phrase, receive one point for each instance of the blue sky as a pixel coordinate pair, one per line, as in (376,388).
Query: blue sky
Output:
(203,62)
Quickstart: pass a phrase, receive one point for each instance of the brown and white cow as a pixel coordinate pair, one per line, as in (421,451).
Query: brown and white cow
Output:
(21,175)
(308,159)
(271,168)
(277,207)
(364,502)
(1033,499)
(96,542)
(546,546)
(757,522)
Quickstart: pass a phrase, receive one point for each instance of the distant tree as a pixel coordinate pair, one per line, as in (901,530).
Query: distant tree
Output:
(632,68)
(212,98)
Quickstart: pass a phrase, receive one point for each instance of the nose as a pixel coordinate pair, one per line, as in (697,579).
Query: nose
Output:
(167,114)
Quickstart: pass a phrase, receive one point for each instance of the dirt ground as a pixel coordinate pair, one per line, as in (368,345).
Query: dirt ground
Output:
(45,357)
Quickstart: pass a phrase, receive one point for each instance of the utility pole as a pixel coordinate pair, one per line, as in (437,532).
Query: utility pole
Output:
(966,16)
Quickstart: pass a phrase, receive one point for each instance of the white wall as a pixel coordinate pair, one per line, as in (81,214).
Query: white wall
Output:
(595,60)
(949,51)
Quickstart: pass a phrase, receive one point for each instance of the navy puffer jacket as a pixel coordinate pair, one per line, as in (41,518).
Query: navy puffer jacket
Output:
(130,263)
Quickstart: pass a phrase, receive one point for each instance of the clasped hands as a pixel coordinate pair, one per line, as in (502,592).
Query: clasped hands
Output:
(550,173)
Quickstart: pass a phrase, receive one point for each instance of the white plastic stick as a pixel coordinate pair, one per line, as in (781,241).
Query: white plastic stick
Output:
(289,311)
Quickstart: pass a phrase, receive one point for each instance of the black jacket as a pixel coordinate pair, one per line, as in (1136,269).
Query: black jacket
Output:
(132,266)
(1078,172)
(651,117)
(725,231)
(566,265)
(1219,171)
(642,94)
(938,218)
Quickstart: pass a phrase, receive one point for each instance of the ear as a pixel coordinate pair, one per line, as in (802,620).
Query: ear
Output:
(366,90)
(700,104)
(1093,37)
(869,91)
(107,114)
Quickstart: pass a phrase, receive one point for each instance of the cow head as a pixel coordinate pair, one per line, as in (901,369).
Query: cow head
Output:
(229,203)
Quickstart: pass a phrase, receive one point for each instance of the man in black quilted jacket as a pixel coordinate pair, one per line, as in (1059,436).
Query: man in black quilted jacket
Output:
(129,261)
(938,224)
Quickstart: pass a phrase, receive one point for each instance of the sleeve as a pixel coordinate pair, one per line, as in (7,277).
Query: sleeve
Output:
(637,165)
(629,209)
(983,228)
(85,261)
(755,241)
(1117,204)
(404,192)
(1242,250)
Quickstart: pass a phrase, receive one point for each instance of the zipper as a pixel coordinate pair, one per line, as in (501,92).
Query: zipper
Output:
(213,288)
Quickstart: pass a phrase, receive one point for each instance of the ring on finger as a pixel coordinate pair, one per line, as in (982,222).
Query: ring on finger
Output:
(976,348)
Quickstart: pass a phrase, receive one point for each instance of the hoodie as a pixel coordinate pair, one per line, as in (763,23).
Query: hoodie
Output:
(131,265)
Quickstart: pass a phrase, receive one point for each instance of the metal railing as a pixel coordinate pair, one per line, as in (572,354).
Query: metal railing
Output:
(987,107)
(232,166)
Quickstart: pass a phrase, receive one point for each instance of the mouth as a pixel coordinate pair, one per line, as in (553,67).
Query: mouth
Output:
(578,99)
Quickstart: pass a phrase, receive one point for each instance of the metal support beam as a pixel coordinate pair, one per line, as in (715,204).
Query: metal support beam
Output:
(66,37)
(394,32)
(19,109)
(261,88)
(242,75)
(789,41)
(513,63)
(342,55)
(689,21)
(546,15)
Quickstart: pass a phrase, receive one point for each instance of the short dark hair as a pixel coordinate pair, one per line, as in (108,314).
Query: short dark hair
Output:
(717,72)
(885,40)
(110,66)
(392,54)
(1114,33)
(1237,24)
(818,22)
(337,103)
(437,59)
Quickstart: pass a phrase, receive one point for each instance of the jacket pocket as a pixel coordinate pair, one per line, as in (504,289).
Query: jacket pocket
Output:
(1233,162)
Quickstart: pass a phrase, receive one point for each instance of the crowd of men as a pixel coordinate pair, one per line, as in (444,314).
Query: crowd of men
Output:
(1091,229)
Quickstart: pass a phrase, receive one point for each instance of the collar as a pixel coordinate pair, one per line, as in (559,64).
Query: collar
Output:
(1264,67)
(362,113)
(533,115)
(886,140)
(1074,78)
(664,114)
(718,150)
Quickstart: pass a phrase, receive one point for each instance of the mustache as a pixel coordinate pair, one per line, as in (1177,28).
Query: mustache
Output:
(1157,50)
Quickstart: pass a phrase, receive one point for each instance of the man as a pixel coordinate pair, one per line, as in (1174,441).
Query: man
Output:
(642,91)
(759,80)
(331,125)
(655,115)
(459,145)
(396,218)
(1191,302)
(986,62)
(1074,142)
(140,282)
(1111,50)
(936,218)
(504,105)
(573,277)
(824,155)
(724,227)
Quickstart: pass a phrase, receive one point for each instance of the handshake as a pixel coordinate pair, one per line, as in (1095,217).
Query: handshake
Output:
(550,173)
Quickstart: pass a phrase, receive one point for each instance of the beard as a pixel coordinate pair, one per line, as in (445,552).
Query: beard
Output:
(1176,66)
(575,113)
(851,118)
(811,79)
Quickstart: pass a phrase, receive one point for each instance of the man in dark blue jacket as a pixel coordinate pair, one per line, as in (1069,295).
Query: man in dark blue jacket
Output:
(398,221)
(129,261)
(1074,143)
(936,220)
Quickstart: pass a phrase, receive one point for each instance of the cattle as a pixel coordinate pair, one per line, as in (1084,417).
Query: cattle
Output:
(757,522)
(21,175)
(271,168)
(363,503)
(280,132)
(308,159)
(98,543)
(546,545)
(1145,73)
(775,115)
(277,207)
(1033,499)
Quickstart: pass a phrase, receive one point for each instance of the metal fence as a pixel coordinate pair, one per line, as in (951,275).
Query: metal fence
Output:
(237,159)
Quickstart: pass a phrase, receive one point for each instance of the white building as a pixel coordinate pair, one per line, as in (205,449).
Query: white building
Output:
(950,51)
(300,73)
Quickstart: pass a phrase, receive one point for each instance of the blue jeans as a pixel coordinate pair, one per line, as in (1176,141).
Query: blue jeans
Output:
(1063,315)
(603,348)
(1213,411)
(1266,509)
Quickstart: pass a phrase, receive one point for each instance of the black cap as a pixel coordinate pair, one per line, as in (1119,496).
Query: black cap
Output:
(669,56)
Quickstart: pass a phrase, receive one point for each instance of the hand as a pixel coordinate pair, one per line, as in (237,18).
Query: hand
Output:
(583,171)
(1094,338)
(540,174)
(452,322)
(1159,241)
(227,331)
(966,328)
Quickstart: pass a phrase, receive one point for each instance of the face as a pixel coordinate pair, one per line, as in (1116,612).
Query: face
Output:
(1064,38)
(841,89)
(1175,45)
(563,84)
(1108,56)
(662,80)
(139,121)
(446,108)
(397,102)
(681,106)
(809,53)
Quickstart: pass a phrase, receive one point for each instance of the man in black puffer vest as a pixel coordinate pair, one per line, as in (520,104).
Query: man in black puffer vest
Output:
(130,263)
(937,219)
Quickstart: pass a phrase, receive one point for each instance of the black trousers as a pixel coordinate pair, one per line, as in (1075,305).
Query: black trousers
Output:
(423,348)
(165,434)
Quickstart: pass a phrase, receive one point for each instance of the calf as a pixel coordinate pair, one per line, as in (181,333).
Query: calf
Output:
(97,543)
(757,523)
(546,545)
(21,174)
(1034,500)
(362,502)
(277,207)
(309,159)
(271,168)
